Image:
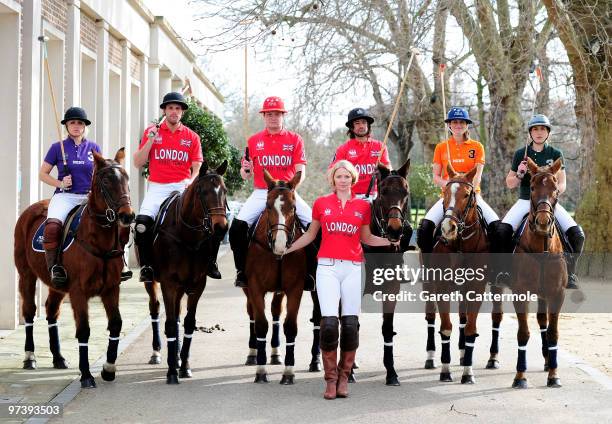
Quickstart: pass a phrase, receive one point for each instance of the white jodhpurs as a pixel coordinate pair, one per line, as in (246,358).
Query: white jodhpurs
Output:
(62,203)
(521,208)
(339,281)
(156,194)
(256,203)
(436,213)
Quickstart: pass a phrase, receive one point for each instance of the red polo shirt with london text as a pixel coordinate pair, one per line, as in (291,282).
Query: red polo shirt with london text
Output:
(364,155)
(341,227)
(172,153)
(277,153)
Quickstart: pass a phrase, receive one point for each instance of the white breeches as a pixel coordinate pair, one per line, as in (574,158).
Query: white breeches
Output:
(339,281)
(62,203)
(256,203)
(156,194)
(436,213)
(521,208)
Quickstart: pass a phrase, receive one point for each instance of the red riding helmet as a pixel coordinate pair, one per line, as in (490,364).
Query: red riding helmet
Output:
(273,104)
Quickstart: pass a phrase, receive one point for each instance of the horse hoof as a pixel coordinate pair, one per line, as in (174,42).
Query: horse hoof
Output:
(251,360)
(355,365)
(446,377)
(287,380)
(519,383)
(275,360)
(492,364)
(60,364)
(392,380)
(261,378)
(29,364)
(553,382)
(155,360)
(88,383)
(107,375)
(315,365)
(351,378)
(172,379)
(468,379)
(461,362)
(429,364)
(185,373)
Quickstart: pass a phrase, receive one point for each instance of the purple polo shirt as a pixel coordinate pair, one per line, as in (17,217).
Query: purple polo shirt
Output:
(80,163)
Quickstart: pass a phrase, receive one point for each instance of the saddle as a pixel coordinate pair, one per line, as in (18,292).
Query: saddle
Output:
(71,225)
(516,238)
(163,210)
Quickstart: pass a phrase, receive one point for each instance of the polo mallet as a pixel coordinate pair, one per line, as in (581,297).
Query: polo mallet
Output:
(442,68)
(538,73)
(246,157)
(414,51)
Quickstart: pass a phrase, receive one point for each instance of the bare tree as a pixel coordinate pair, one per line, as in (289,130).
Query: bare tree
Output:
(361,45)
(585,29)
(504,54)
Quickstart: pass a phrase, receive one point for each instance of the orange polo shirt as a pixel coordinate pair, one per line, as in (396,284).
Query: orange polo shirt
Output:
(464,156)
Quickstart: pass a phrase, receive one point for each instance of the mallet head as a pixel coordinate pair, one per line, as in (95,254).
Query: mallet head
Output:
(43,38)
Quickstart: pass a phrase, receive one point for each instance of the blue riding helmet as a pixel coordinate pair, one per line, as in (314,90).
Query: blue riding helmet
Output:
(539,120)
(458,113)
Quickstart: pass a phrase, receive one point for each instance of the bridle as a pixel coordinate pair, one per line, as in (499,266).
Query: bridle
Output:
(549,210)
(206,226)
(113,204)
(461,221)
(393,212)
(290,230)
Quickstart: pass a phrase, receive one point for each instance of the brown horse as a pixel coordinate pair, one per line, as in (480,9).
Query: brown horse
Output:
(270,271)
(180,253)
(93,264)
(461,232)
(390,219)
(539,267)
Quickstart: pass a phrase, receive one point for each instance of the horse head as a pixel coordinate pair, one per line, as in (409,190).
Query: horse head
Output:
(459,202)
(280,212)
(109,198)
(390,205)
(544,194)
(212,194)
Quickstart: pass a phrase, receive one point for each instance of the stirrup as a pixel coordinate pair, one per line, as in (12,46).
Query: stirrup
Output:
(213,271)
(309,283)
(146,274)
(241,280)
(126,274)
(59,278)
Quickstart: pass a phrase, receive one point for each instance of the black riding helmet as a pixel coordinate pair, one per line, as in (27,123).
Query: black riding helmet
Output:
(358,113)
(76,113)
(174,97)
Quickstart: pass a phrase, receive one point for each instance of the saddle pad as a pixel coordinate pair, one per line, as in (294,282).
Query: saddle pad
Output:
(70,229)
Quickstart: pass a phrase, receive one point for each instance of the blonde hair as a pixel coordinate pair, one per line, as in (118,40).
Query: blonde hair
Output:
(342,164)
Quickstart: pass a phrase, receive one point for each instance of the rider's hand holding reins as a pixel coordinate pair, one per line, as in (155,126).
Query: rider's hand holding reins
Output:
(246,169)
(521,170)
(307,238)
(66,183)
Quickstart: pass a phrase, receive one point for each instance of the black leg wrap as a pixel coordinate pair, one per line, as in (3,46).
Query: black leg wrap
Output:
(349,333)
(521,362)
(316,335)
(111,351)
(469,350)
(329,333)
(275,342)
(388,357)
(252,337)
(462,322)
(29,330)
(178,336)
(495,338)
(186,346)
(544,342)
(431,335)
(172,352)
(156,337)
(54,343)
(261,352)
(552,356)
(84,358)
(446,356)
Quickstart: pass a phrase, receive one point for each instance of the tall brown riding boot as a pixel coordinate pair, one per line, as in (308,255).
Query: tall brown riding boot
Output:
(330,365)
(347,359)
(51,242)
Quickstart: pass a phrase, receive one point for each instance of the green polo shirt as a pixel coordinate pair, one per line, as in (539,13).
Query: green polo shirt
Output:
(546,157)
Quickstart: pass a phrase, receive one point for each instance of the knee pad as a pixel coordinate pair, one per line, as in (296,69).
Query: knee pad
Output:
(52,233)
(349,337)
(329,333)
(144,223)
(500,234)
(425,235)
(238,232)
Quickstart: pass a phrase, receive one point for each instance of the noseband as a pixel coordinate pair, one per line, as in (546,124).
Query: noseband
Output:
(206,226)
(381,220)
(113,205)
(549,210)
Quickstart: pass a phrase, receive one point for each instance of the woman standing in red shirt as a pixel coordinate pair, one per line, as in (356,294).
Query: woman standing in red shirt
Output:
(344,221)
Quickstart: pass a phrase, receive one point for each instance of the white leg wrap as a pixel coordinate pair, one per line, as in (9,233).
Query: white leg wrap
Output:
(109,367)
(29,356)
(288,370)
(445,368)
(252,352)
(461,353)
(431,354)
(468,371)
(261,369)
(274,351)
(156,353)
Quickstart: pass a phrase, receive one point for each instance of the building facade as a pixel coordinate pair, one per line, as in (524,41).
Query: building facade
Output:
(113,58)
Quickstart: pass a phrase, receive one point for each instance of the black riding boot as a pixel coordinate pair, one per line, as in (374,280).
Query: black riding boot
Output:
(406,237)
(213,268)
(52,243)
(239,242)
(500,236)
(425,235)
(575,236)
(144,244)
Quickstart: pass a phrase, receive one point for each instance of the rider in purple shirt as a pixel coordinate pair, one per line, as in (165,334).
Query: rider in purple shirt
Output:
(72,185)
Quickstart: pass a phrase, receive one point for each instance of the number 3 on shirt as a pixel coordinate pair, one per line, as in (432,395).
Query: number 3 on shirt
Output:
(472,153)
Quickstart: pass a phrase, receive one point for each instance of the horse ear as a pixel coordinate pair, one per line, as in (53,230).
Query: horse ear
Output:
(383,171)
(120,156)
(555,166)
(403,171)
(450,172)
(532,166)
(271,182)
(221,170)
(470,175)
(295,180)
(203,168)
(99,159)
